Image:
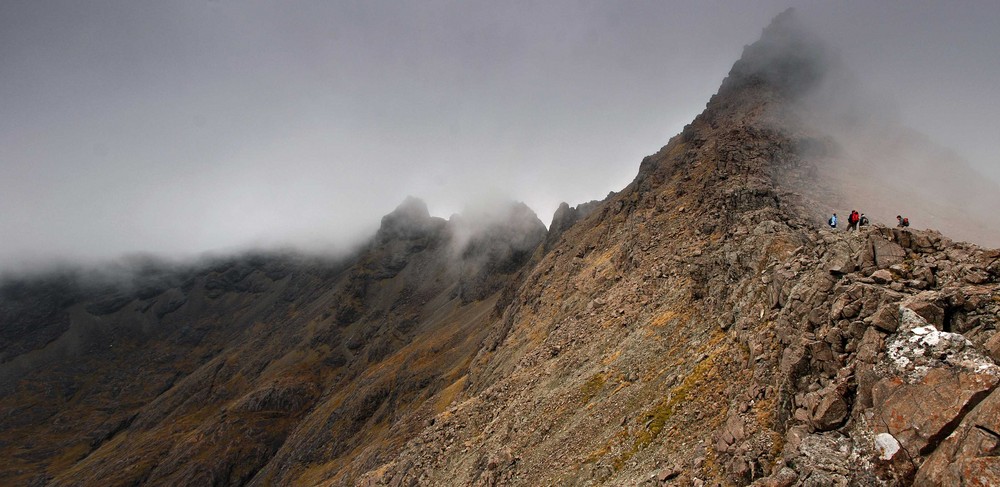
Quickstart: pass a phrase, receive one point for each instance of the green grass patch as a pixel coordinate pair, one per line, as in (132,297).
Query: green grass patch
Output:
(656,417)
(593,385)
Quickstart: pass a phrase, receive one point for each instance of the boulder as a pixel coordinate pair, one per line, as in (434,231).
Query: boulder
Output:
(886,253)
(777,291)
(785,477)
(731,434)
(882,276)
(971,454)
(925,305)
(920,415)
(667,473)
(848,304)
(992,348)
(838,259)
(929,311)
(902,237)
(831,408)
(886,318)
(871,345)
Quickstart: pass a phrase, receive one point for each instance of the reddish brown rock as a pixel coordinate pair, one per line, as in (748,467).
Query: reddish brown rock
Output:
(921,414)
(785,477)
(886,318)
(882,276)
(839,259)
(870,346)
(831,409)
(992,347)
(970,455)
(928,311)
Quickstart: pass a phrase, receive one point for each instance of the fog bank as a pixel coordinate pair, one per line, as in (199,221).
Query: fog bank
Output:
(183,127)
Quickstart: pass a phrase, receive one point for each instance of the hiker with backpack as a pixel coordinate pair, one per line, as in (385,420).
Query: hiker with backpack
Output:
(833,222)
(902,222)
(863,222)
(852,220)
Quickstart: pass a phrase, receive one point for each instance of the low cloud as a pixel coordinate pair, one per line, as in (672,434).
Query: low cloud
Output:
(180,128)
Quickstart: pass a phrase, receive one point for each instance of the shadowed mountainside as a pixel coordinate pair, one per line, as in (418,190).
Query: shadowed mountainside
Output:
(116,383)
(699,326)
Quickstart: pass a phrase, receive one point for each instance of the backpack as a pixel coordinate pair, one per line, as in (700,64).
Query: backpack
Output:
(854,217)
(906,222)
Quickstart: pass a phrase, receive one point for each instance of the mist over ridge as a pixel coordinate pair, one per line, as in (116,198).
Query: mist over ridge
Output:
(864,155)
(194,127)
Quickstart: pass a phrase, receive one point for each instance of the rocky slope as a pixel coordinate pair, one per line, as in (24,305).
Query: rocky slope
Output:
(699,327)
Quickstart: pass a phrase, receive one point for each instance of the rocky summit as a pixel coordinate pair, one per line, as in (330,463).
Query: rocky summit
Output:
(702,326)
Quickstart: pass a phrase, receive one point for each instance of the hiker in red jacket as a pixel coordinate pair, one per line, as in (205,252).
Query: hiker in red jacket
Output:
(852,221)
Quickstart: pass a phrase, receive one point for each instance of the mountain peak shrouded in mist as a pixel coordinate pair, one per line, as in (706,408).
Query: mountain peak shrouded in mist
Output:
(412,208)
(410,219)
(835,143)
(788,58)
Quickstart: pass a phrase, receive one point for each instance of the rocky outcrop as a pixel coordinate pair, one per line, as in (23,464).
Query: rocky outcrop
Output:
(408,230)
(491,246)
(876,364)
(565,217)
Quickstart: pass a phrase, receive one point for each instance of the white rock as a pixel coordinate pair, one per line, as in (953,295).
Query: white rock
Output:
(931,339)
(887,445)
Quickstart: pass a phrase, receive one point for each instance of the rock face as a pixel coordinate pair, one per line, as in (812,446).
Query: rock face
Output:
(492,246)
(699,327)
(969,453)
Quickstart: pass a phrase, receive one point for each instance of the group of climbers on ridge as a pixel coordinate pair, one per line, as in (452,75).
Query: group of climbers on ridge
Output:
(854,221)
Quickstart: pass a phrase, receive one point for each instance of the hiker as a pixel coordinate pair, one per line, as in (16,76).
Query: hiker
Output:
(852,220)
(833,222)
(902,222)
(863,222)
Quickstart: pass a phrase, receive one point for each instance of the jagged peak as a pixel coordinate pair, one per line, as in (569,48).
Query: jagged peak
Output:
(491,241)
(566,216)
(411,208)
(494,210)
(787,58)
(506,219)
(409,220)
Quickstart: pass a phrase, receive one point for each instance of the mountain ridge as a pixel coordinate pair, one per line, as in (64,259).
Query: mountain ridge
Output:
(698,326)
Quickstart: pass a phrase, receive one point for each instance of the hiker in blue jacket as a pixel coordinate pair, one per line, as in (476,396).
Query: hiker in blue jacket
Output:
(833,222)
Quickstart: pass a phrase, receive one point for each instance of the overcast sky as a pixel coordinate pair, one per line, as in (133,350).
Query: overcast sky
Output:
(178,127)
